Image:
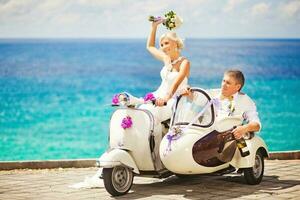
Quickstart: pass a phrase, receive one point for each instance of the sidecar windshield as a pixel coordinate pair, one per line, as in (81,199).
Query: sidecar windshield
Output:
(188,107)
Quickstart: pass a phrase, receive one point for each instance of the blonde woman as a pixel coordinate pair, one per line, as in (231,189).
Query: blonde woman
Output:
(174,74)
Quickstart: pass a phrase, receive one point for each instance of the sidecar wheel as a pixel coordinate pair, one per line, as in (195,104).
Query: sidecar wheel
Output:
(255,174)
(117,180)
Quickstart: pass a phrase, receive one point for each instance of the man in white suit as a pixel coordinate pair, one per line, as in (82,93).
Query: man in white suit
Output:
(235,103)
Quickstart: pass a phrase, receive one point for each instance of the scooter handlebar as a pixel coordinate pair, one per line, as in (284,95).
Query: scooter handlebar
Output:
(153,102)
(127,99)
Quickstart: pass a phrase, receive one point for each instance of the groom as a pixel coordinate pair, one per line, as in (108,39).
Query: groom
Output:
(235,103)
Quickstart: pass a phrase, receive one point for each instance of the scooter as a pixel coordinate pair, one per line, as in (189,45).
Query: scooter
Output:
(194,137)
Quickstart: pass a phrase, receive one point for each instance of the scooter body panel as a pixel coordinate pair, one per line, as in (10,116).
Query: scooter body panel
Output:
(253,145)
(117,157)
(182,150)
(136,138)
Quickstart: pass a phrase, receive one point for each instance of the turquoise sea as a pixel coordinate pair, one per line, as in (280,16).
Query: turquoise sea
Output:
(55,93)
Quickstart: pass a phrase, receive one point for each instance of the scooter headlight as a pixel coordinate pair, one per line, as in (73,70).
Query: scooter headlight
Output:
(124,99)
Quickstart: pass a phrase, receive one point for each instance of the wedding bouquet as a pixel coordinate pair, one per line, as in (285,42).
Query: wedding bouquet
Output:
(171,20)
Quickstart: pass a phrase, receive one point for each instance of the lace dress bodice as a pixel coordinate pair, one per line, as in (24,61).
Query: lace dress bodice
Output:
(168,77)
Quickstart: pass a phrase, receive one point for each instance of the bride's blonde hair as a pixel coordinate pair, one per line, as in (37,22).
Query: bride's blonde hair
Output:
(172,36)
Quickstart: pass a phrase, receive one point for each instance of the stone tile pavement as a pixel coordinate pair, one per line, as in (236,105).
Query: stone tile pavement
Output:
(281,181)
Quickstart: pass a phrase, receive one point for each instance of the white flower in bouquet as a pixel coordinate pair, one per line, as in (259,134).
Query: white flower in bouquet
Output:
(178,21)
(171,20)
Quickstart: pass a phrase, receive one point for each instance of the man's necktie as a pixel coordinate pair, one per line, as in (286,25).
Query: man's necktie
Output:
(231,105)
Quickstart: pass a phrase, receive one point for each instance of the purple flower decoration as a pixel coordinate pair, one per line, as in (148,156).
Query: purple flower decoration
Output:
(149,97)
(115,99)
(171,136)
(126,122)
(158,18)
(154,19)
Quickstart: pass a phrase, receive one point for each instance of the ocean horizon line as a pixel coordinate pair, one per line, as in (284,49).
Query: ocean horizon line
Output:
(144,38)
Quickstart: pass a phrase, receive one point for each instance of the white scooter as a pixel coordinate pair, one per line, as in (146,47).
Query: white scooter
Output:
(201,144)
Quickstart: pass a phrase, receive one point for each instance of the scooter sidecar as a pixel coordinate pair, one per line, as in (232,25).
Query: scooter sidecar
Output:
(207,145)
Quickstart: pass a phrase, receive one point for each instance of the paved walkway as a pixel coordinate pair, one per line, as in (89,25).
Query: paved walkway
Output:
(281,181)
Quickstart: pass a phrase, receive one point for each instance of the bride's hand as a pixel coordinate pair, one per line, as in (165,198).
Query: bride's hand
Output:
(156,23)
(186,92)
(160,102)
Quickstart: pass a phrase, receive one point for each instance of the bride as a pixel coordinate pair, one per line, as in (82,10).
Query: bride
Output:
(174,73)
(174,76)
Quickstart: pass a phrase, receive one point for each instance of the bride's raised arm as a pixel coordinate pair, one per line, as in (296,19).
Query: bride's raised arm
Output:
(151,42)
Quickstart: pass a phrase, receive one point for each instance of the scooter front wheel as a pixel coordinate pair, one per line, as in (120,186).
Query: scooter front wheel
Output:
(117,180)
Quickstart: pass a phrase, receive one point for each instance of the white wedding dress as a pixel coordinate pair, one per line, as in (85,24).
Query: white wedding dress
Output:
(159,113)
(168,78)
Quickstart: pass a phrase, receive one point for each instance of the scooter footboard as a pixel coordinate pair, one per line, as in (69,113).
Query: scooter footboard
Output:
(117,157)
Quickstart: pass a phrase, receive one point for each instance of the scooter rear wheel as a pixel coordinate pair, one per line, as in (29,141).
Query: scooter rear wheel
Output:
(255,174)
(117,180)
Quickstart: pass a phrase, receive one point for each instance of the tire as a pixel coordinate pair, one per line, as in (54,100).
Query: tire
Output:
(254,175)
(117,180)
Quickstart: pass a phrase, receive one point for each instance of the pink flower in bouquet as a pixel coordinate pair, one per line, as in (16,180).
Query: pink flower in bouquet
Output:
(126,122)
(115,99)
(149,97)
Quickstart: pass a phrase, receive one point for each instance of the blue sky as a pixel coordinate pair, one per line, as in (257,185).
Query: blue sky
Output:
(128,18)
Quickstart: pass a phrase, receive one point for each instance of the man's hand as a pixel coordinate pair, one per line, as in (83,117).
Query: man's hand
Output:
(239,131)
